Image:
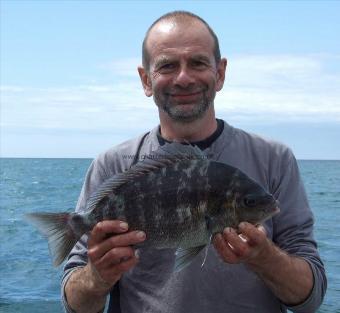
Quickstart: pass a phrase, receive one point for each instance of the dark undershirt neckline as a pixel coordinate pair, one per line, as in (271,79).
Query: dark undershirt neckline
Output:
(202,144)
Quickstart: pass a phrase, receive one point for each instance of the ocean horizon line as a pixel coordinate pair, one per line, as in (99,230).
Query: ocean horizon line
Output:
(92,158)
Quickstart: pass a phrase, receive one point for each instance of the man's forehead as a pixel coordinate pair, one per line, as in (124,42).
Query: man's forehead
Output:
(165,26)
(179,29)
(168,56)
(171,35)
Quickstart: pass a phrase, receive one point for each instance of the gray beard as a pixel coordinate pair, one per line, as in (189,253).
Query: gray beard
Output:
(177,115)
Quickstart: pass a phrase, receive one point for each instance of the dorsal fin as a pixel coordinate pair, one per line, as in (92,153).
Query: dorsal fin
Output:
(182,151)
(164,156)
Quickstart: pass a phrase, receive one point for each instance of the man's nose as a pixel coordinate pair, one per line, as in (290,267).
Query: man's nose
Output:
(184,77)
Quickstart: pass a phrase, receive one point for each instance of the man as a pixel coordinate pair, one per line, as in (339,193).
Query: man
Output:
(265,269)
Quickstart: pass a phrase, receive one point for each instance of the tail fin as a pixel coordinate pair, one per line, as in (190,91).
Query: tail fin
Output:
(57,229)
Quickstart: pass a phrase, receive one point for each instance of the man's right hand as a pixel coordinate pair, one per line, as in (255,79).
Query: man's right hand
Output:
(110,253)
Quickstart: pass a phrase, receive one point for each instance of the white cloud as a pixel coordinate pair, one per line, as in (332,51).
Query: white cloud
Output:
(258,89)
(81,107)
(124,67)
(277,88)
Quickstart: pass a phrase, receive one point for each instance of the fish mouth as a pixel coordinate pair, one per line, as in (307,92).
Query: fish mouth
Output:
(275,211)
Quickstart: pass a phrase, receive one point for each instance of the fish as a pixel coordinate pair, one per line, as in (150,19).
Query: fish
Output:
(176,195)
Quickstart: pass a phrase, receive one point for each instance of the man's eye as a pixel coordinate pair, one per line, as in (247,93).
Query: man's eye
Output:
(166,67)
(198,64)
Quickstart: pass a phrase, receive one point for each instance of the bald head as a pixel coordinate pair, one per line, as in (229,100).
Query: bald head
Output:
(182,18)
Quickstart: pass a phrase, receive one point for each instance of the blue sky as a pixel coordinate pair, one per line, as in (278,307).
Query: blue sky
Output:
(69,85)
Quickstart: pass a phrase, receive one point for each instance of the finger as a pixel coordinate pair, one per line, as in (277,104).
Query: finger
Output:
(255,235)
(119,269)
(114,257)
(122,240)
(102,229)
(243,237)
(262,229)
(126,265)
(224,249)
(240,246)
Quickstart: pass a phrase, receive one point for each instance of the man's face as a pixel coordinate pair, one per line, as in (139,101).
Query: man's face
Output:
(183,76)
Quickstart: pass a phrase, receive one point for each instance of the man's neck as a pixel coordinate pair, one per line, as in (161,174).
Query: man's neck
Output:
(194,131)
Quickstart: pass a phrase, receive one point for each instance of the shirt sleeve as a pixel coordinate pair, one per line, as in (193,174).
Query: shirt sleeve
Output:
(116,160)
(293,228)
(78,255)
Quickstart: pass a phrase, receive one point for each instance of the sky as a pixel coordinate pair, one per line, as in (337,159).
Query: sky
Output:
(69,85)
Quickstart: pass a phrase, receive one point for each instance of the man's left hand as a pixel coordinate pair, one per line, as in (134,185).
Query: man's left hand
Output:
(250,246)
(289,277)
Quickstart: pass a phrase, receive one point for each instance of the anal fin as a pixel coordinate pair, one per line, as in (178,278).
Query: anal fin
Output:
(185,256)
(206,251)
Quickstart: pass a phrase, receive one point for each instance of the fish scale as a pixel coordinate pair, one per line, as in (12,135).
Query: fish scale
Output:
(178,197)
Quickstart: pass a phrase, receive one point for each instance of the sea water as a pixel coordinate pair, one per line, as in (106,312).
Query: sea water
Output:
(30,284)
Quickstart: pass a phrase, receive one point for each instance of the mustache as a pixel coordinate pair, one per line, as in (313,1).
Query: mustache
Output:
(185,91)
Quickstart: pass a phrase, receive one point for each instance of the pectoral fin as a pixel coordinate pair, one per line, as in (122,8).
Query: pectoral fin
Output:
(209,224)
(206,251)
(185,256)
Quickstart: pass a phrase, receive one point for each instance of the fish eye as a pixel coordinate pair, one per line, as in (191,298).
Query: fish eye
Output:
(249,201)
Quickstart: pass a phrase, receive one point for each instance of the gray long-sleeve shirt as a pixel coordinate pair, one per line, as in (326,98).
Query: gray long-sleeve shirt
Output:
(218,287)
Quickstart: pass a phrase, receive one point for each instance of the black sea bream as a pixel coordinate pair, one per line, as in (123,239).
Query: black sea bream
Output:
(177,196)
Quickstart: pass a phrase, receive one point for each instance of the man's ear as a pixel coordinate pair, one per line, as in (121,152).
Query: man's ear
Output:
(221,68)
(146,82)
